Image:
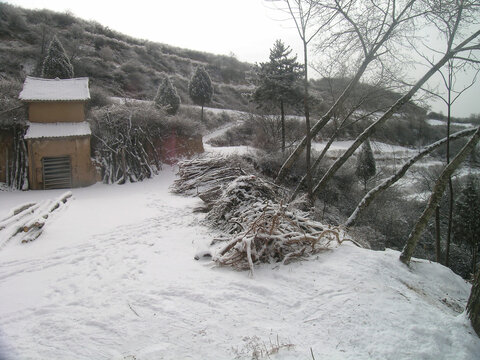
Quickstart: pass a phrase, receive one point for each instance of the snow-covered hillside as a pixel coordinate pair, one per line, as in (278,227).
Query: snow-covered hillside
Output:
(113,277)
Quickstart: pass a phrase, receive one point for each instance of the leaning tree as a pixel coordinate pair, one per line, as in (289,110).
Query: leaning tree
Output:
(200,88)
(56,64)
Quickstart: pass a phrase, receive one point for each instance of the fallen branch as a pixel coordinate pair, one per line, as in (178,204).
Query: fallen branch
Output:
(29,220)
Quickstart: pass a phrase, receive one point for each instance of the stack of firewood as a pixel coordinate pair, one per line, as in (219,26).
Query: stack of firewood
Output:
(206,176)
(26,222)
(250,209)
(272,234)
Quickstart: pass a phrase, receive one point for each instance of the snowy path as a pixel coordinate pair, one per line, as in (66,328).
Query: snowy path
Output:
(113,277)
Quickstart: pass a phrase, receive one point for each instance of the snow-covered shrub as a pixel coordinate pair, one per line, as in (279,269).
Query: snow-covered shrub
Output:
(98,98)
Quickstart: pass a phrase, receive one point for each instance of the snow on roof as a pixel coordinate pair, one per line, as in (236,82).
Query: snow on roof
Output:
(38,89)
(53,130)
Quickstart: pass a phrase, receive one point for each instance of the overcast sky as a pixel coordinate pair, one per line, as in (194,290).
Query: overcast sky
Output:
(246,28)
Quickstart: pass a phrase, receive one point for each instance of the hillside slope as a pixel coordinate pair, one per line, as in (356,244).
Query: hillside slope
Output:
(120,64)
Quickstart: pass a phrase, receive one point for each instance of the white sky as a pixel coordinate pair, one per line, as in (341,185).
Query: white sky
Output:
(246,28)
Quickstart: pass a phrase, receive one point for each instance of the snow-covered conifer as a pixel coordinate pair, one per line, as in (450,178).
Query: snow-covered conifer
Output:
(366,167)
(167,96)
(277,81)
(200,88)
(56,63)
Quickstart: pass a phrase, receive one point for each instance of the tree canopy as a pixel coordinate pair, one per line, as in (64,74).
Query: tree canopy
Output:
(277,80)
(167,96)
(57,64)
(200,87)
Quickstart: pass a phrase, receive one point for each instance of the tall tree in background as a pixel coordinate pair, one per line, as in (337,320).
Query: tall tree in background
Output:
(277,80)
(449,74)
(167,97)
(303,12)
(466,223)
(436,196)
(200,88)
(366,167)
(57,63)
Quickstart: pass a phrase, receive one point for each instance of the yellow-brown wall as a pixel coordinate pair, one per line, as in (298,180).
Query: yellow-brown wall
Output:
(78,148)
(56,111)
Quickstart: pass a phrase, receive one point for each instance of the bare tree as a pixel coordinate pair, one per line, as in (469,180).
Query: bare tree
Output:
(465,46)
(372,194)
(449,79)
(303,12)
(435,197)
(362,31)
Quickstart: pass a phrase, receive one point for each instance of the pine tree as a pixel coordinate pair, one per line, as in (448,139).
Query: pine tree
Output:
(167,97)
(56,64)
(366,167)
(200,88)
(277,81)
(466,222)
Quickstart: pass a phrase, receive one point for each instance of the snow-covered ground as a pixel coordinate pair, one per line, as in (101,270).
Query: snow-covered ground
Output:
(113,277)
(434,122)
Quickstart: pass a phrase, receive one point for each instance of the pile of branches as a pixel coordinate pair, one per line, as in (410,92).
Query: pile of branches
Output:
(206,177)
(123,141)
(261,229)
(26,222)
(276,235)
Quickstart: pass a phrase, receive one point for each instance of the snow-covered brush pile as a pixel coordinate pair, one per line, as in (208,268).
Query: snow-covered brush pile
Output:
(123,141)
(250,209)
(26,222)
(274,235)
(206,177)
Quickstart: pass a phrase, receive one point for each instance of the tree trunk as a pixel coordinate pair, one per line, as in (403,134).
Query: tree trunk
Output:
(450,220)
(450,185)
(437,234)
(371,195)
(437,193)
(201,116)
(474,257)
(282,112)
(473,305)
(308,137)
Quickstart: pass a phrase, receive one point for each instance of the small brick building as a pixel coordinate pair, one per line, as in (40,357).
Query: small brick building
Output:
(58,137)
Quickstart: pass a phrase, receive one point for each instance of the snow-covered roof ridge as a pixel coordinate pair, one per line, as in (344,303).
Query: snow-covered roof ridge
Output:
(54,130)
(39,89)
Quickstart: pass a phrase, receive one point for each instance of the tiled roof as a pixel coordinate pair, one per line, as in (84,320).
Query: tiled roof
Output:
(53,130)
(38,89)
